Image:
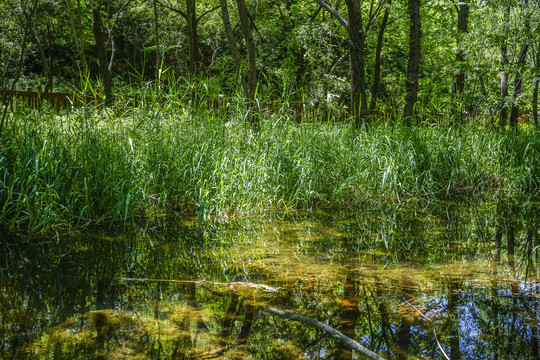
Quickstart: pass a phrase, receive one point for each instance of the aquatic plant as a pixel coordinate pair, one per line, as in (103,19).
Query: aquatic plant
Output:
(108,166)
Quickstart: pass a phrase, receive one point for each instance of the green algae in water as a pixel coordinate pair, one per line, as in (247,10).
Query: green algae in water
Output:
(389,278)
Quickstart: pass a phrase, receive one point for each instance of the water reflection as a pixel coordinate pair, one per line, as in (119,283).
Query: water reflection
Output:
(404,282)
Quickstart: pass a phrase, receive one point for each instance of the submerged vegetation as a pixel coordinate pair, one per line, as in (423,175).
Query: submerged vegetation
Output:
(88,166)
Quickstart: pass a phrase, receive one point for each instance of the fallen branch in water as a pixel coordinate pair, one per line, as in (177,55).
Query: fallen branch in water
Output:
(204,282)
(328,329)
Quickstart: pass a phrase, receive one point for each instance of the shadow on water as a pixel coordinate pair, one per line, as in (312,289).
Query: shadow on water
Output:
(404,282)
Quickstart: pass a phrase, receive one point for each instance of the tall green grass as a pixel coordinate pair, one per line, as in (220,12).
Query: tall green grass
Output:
(111,166)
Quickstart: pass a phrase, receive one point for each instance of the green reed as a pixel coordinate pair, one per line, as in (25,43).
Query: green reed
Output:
(118,165)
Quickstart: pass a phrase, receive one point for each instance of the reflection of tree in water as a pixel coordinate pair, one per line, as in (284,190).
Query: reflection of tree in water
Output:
(349,314)
(458,266)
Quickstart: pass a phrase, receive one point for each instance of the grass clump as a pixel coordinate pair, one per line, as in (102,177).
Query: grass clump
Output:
(83,167)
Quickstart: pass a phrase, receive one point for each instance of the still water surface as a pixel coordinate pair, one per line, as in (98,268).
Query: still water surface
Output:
(408,281)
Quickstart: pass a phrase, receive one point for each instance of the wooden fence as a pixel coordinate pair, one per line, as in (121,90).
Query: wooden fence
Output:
(60,101)
(300,111)
(57,101)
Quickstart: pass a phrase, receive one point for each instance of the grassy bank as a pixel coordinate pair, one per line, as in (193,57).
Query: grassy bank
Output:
(86,166)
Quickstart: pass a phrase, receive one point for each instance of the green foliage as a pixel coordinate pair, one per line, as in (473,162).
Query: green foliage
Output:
(91,166)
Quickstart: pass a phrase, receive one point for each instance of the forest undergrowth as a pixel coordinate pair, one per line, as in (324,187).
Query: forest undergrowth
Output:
(89,166)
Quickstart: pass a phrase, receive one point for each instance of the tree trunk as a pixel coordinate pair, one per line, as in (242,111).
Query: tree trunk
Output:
(250,49)
(158,53)
(459,77)
(503,114)
(518,87)
(194,54)
(251,88)
(377,67)
(47,71)
(357,61)
(415,34)
(101,51)
(231,40)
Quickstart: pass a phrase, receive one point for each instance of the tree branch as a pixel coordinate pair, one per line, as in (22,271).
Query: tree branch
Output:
(206,13)
(328,329)
(334,12)
(172,8)
(374,13)
(314,16)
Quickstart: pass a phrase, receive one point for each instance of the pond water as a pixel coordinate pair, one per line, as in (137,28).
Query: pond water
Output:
(407,281)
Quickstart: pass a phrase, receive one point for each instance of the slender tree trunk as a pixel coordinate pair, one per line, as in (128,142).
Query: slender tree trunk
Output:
(101,51)
(250,49)
(414,61)
(459,77)
(503,114)
(251,88)
(47,71)
(194,54)
(158,51)
(357,61)
(518,87)
(377,67)
(232,41)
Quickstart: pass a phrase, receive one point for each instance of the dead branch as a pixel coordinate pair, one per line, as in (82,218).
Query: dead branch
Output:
(264,287)
(328,329)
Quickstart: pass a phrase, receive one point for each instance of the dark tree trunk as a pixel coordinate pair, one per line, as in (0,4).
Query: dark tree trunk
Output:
(47,71)
(357,61)
(101,51)
(518,87)
(503,114)
(251,88)
(194,54)
(231,40)
(377,67)
(459,77)
(250,49)
(158,51)
(414,61)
